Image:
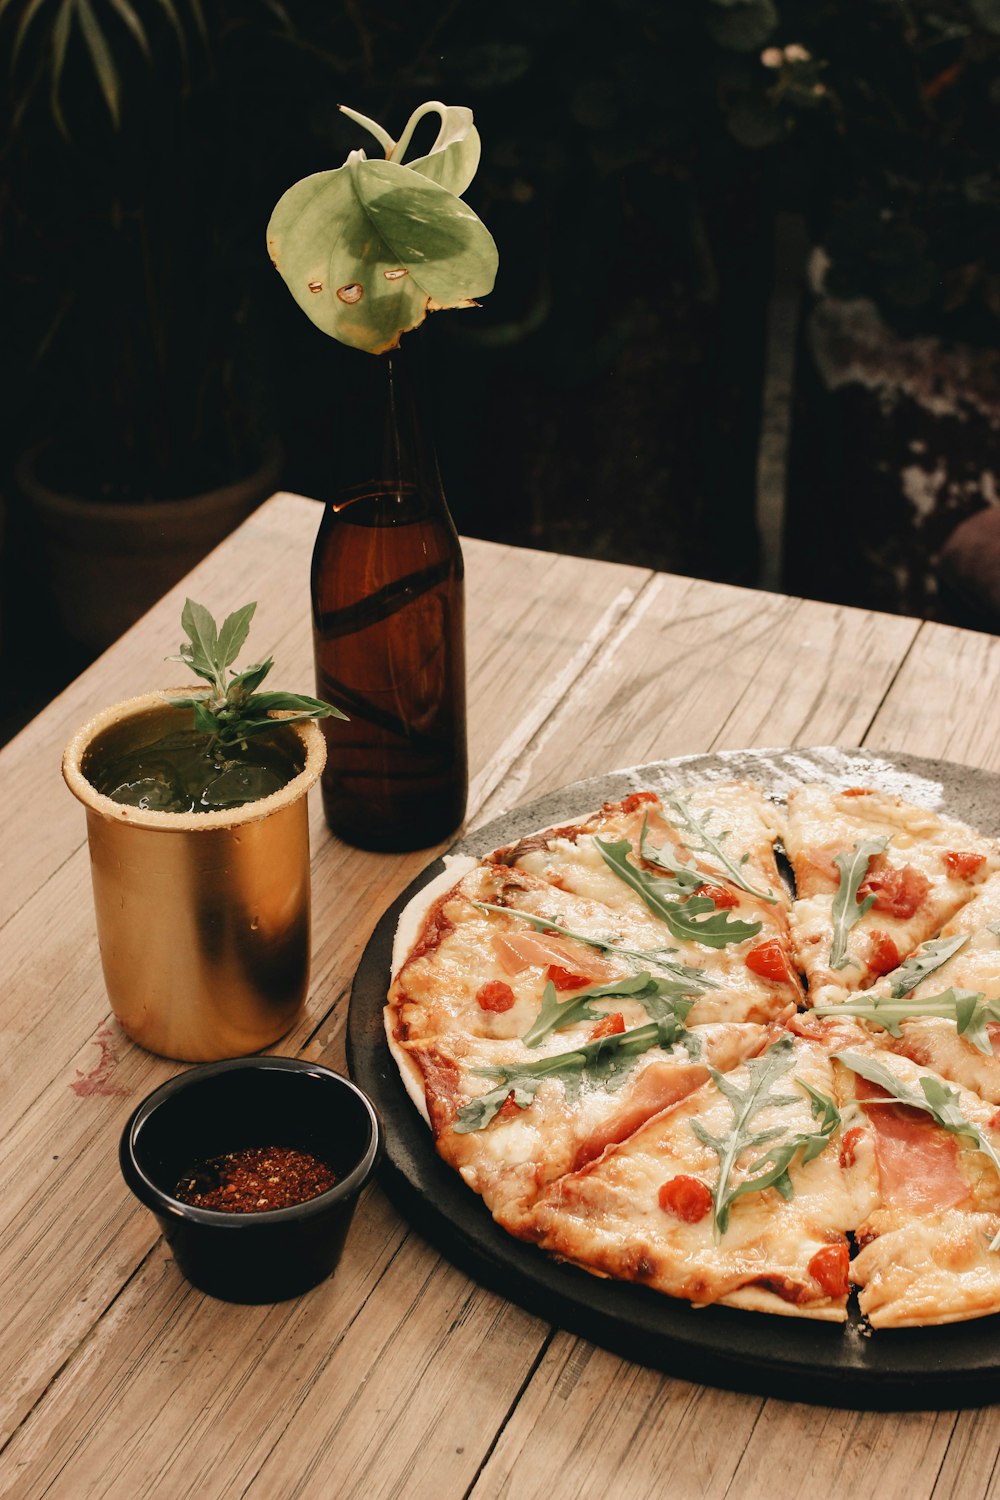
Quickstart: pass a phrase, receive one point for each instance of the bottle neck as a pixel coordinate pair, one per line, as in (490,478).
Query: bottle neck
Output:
(382,442)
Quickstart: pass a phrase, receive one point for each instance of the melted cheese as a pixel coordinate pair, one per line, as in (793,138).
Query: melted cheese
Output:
(822,823)
(581,1173)
(933,1270)
(414,913)
(509,1160)
(608,1217)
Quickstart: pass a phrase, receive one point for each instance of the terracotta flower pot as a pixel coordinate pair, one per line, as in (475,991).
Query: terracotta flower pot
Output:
(202,918)
(107,563)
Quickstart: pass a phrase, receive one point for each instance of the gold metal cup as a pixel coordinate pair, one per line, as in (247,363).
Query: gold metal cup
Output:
(203,919)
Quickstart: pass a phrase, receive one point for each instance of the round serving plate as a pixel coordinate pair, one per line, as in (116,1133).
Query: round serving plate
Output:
(799,1359)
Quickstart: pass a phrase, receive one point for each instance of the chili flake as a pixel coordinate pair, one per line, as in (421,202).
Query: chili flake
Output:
(254,1180)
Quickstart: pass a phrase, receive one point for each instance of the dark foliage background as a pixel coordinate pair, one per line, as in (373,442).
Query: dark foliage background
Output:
(606,399)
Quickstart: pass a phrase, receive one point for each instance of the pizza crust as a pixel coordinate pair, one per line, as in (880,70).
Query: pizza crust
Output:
(411,918)
(598,1207)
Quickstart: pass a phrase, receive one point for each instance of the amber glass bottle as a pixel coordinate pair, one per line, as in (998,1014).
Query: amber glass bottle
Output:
(388,621)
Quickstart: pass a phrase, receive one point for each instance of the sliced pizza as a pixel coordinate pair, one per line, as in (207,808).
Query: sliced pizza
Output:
(699,865)
(875,877)
(502,944)
(925,1159)
(733,1196)
(941,1006)
(600,1024)
(512,1118)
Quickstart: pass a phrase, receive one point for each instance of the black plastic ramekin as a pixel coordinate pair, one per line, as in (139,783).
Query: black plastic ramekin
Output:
(232,1105)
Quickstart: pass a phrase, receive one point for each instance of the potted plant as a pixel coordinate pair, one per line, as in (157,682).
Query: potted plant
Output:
(199,848)
(367,250)
(139,410)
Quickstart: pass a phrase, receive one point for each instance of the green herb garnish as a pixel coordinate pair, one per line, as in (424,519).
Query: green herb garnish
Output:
(693,980)
(771,1167)
(236,710)
(683,878)
(700,840)
(847,909)
(969,1009)
(928,957)
(934,1097)
(605,1063)
(715,930)
(659,997)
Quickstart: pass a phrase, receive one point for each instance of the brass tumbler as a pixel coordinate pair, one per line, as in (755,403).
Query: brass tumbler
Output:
(203,919)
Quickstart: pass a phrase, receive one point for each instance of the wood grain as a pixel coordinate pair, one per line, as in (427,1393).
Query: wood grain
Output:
(400,1377)
(55,1016)
(699,666)
(591,1425)
(943,701)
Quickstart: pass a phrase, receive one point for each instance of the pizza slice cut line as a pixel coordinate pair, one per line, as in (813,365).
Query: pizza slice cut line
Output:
(923,1162)
(875,878)
(511,1121)
(732,1196)
(918,867)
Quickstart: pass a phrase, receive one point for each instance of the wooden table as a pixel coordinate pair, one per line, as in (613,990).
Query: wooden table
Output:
(400,1377)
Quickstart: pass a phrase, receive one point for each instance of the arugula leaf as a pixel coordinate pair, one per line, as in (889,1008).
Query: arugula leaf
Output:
(701,841)
(934,1097)
(691,981)
(556,1014)
(605,1063)
(928,957)
(771,1167)
(235,711)
(847,910)
(715,931)
(683,878)
(969,1009)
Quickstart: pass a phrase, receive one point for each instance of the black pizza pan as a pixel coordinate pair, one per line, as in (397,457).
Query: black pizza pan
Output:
(954,1365)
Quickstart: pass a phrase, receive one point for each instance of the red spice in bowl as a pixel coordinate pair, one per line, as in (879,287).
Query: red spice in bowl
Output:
(255,1180)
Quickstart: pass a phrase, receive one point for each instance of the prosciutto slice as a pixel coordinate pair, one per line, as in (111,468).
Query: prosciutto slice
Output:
(517,951)
(917,1160)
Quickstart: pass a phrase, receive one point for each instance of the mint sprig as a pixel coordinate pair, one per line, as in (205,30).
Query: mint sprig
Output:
(693,980)
(771,1167)
(235,710)
(693,920)
(604,1063)
(934,1097)
(847,910)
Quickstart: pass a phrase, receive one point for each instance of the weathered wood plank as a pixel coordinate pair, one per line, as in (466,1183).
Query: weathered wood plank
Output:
(176,1394)
(591,1425)
(54,1018)
(798,1452)
(943,702)
(972,1464)
(698,666)
(396,1377)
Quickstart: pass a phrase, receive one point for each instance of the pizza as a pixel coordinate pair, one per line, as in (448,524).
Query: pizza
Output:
(738,1052)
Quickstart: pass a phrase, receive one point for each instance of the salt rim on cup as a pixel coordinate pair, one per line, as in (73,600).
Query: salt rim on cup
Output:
(308,732)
